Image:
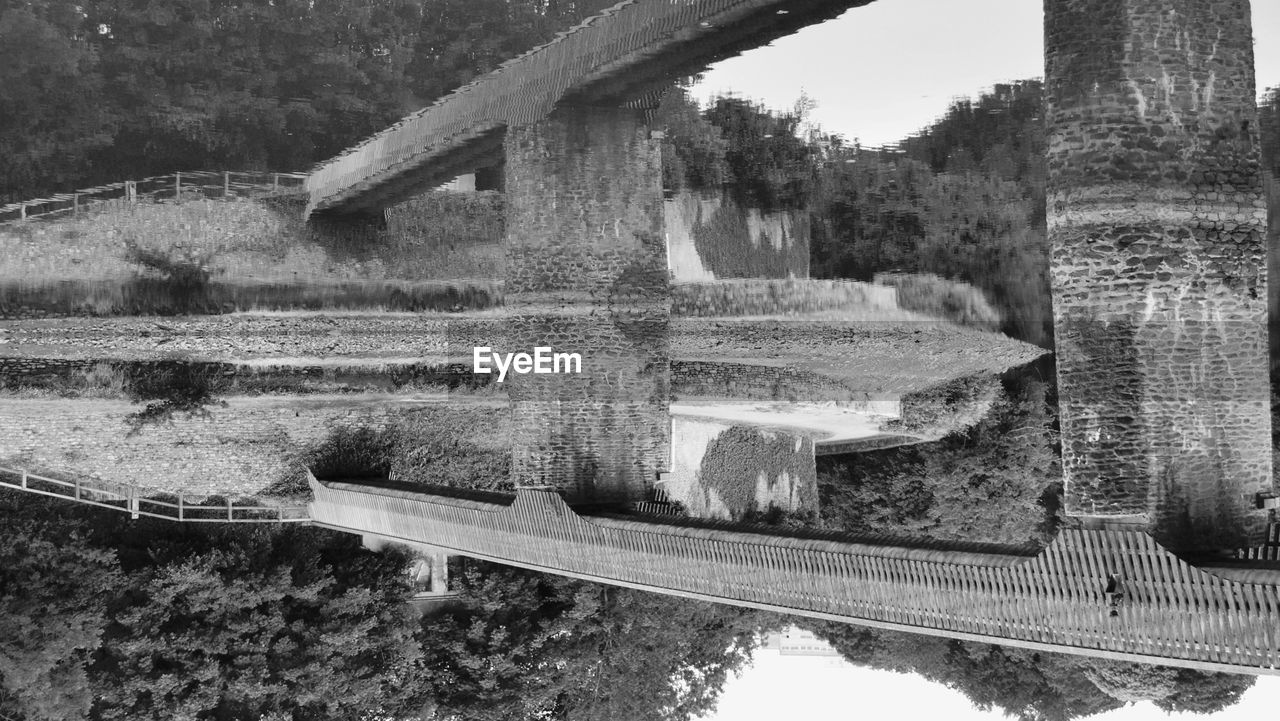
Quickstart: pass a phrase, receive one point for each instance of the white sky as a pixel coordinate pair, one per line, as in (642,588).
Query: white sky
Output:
(882,71)
(878,73)
(807,688)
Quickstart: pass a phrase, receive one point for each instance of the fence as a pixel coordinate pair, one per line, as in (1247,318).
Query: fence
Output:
(176,186)
(128,499)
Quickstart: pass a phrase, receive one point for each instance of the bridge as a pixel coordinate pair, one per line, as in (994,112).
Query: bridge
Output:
(1061,599)
(627,55)
(1156,219)
(1156,222)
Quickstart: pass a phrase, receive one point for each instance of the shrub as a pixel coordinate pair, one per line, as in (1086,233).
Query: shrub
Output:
(952,300)
(947,407)
(182,389)
(353,452)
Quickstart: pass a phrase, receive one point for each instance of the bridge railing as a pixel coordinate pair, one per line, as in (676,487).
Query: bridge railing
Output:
(130,499)
(172,187)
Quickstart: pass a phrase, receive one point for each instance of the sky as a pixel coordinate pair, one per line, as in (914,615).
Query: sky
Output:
(808,688)
(879,73)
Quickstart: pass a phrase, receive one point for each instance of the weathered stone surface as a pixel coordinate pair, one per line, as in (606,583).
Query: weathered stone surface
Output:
(1159,275)
(587,274)
(774,297)
(584,203)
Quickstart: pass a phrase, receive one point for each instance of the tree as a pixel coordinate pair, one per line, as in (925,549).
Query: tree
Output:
(770,168)
(964,199)
(528,645)
(103,91)
(693,151)
(54,116)
(246,624)
(1204,693)
(995,481)
(52,590)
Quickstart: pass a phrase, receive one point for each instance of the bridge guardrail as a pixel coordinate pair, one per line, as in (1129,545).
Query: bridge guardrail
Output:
(129,499)
(174,186)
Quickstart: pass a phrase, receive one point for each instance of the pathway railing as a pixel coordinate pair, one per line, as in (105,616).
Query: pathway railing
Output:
(130,499)
(175,186)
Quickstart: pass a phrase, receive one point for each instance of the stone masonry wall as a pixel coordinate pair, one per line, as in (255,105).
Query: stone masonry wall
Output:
(604,433)
(1157,222)
(771,297)
(587,274)
(740,381)
(584,203)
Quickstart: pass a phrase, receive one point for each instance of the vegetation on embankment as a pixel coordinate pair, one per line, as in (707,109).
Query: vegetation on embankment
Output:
(436,446)
(110,619)
(996,480)
(219,256)
(109,379)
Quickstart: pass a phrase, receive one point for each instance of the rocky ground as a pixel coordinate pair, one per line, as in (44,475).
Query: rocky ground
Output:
(244,336)
(875,357)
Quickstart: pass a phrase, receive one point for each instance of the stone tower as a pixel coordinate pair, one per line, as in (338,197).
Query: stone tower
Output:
(1157,224)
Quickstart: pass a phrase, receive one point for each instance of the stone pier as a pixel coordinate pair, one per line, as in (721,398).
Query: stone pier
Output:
(587,274)
(1157,220)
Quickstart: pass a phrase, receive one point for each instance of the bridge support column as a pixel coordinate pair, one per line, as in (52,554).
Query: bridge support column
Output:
(587,274)
(1157,221)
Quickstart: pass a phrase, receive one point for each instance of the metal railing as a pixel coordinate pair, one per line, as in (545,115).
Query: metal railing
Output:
(174,187)
(130,499)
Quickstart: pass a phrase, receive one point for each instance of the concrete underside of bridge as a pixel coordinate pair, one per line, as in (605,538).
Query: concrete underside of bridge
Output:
(1157,221)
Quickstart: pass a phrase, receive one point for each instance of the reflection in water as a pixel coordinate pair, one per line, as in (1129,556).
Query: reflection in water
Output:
(905,400)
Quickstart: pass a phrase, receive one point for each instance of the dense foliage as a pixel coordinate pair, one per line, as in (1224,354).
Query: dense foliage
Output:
(104,618)
(423,448)
(755,154)
(107,619)
(964,200)
(997,480)
(539,646)
(100,91)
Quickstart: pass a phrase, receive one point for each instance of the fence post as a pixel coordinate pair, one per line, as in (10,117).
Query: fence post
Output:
(177,186)
(133,502)
(131,190)
(226,184)
(22,212)
(229,518)
(24,480)
(180,497)
(275,182)
(75,204)
(77,488)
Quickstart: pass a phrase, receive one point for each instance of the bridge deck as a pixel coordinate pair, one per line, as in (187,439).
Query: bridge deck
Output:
(623,54)
(1171,613)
